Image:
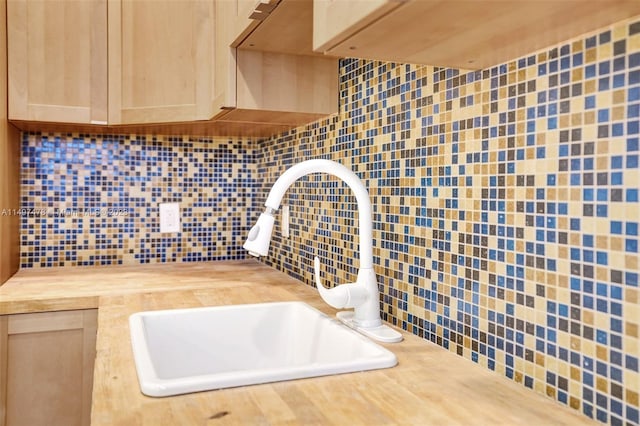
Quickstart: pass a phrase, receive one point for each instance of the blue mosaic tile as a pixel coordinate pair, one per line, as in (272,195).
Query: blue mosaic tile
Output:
(93,199)
(528,204)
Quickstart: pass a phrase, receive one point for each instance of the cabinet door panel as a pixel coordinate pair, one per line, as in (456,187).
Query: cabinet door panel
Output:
(57,54)
(46,367)
(37,390)
(160,61)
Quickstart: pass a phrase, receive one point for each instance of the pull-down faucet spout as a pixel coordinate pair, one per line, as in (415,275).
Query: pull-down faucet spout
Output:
(363,295)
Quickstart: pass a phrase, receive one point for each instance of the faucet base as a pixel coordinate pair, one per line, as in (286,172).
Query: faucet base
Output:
(381,333)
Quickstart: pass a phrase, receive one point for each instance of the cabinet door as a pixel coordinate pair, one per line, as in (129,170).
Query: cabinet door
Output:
(57,60)
(46,368)
(243,17)
(233,23)
(161,57)
(226,13)
(336,20)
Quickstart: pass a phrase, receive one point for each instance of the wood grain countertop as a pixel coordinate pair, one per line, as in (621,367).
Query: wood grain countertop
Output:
(430,385)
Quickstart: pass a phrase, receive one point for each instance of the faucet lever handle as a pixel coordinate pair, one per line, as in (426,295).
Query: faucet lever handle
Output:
(342,296)
(316,273)
(330,296)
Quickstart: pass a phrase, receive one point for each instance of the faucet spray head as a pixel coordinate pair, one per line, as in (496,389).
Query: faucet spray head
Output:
(259,237)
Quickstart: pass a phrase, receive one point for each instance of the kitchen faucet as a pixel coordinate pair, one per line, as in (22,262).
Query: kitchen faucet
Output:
(363,295)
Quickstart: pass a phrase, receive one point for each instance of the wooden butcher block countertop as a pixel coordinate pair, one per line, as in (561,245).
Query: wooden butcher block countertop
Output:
(430,385)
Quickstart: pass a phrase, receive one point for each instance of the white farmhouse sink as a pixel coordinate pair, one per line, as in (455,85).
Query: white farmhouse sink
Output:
(189,350)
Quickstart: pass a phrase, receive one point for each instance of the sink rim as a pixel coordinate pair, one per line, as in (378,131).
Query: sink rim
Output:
(153,385)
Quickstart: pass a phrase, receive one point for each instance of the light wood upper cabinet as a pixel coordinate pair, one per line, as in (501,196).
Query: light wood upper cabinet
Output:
(46,368)
(287,28)
(57,60)
(140,63)
(336,20)
(284,88)
(244,16)
(152,63)
(161,61)
(266,86)
(455,33)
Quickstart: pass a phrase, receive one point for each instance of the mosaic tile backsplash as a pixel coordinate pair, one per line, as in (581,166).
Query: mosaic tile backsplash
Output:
(506,210)
(93,200)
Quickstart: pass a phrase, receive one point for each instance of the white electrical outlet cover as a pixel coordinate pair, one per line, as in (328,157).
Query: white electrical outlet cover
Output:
(169,217)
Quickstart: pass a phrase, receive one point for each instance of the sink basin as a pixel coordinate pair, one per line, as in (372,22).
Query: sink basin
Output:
(189,350)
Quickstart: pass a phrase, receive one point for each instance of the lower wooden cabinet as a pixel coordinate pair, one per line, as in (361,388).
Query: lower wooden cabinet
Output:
(46,368)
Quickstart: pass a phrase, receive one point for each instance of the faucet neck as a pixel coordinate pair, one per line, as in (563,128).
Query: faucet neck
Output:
(365,220)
